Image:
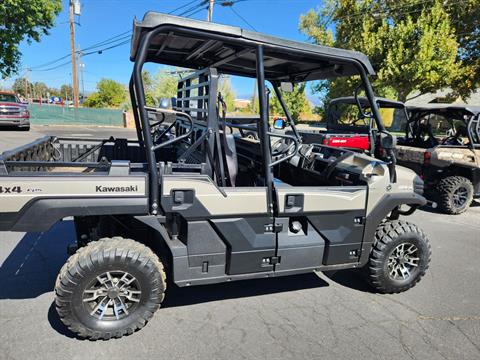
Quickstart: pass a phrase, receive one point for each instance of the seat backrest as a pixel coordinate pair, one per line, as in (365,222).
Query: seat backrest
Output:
(231,158)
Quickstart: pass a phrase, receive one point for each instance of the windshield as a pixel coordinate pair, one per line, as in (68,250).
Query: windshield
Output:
(344,115)
(8,98)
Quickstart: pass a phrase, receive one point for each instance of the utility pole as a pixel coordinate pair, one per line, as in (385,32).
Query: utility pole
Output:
(26,84)
(80,72)
(74,60)
(210,10)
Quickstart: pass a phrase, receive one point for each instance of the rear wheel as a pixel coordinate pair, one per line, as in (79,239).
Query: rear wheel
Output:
(455,194)
(109,288)
(400,257)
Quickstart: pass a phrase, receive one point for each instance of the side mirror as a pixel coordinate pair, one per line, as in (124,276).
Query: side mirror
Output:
(279,124)
(387,140)
(286,87)
(174,102)
(163,103)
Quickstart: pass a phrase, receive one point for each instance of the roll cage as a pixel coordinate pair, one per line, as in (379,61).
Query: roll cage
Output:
(213,49)
(470,115)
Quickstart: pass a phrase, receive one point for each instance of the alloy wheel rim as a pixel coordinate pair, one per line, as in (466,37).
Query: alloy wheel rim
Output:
(460,197)
(403,261)
(112,295)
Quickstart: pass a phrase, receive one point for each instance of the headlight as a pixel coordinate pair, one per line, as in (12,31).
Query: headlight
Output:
(418,185)
(25,113)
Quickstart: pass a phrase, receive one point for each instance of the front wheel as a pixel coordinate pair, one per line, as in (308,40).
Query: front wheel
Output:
(399,258)
(109,288)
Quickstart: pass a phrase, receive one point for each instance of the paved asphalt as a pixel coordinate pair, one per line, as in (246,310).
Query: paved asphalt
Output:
(314,316)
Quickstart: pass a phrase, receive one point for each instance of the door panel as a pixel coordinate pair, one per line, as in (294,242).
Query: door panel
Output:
(239,217)
(329,220)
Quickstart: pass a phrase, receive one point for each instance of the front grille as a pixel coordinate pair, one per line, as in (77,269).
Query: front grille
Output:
(10,110)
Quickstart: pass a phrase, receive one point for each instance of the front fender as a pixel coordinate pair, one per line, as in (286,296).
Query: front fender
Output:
(381,210)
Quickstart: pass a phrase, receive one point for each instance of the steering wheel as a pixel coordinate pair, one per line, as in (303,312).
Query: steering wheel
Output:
(328,171)
(280,147)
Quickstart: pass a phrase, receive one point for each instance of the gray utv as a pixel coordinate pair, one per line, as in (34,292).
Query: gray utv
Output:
(197,200)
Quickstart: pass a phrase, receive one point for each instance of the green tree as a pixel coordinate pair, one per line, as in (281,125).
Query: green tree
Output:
(149,88)
(464,17)
(411,44)
(19,21)
(54,92)
(109,94)
(20,85)
(66,91)
(296,102)
(228,94)
(165,85)
(40,89)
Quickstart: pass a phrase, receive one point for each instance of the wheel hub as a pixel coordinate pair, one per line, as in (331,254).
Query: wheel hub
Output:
(460,197)
(403,261)
(112,295)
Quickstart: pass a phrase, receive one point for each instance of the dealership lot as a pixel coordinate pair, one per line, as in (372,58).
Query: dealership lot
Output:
(310,316)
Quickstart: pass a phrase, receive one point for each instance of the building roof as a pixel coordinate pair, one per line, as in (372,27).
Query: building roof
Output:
(196,44)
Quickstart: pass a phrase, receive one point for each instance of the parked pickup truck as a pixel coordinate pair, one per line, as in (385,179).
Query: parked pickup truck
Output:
(13,112)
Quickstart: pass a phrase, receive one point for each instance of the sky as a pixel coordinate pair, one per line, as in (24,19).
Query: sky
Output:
(103,19)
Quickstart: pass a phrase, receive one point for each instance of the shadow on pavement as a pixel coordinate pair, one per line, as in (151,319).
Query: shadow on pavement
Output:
(57,324)
(352,279)
(31,268)
(184,296)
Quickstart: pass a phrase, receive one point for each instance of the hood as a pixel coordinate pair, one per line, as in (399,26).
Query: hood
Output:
(6,103)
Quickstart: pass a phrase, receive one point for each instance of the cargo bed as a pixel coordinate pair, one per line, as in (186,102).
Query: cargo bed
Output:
(51,178)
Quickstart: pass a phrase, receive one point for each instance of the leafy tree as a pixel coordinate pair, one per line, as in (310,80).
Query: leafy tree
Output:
(411,44)
(296,102)
(149,88)
(165,85)
(464,17)
(66,91)
(228,94)
(40,89)
(23,20)
(55,92)
(20,85)
(109,94)
(150,83)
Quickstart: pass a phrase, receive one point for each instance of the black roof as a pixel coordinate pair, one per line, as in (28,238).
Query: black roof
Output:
(196,44)
(382,102)
(445,108)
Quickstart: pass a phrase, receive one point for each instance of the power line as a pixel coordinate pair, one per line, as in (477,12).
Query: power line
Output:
(83,54)
(194,9)
(126,34)
(102,43)
(242,18)
(181,7)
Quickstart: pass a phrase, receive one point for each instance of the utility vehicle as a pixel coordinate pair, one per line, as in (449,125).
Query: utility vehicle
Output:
(349,123)
(13,112)
(199,200)
(442,145)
